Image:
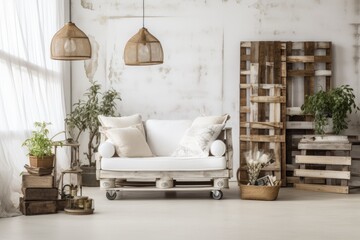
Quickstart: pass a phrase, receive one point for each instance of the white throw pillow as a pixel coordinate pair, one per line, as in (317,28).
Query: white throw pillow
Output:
(218,148)
(163,136)
(210,120)
(197,141)
(121,122)
(129,142)
(107,149)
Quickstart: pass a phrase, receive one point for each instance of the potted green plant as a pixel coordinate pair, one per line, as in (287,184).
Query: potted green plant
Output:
(84,118)
(40,146)
(335,104)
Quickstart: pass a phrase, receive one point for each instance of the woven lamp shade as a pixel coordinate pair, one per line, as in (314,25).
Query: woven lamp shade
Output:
(70,43)
(143,49)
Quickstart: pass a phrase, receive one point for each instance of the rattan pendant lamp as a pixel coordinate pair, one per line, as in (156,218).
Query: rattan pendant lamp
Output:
(70,43)
(143,48)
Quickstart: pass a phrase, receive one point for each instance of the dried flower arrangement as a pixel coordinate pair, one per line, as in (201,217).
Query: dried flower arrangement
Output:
(255,161)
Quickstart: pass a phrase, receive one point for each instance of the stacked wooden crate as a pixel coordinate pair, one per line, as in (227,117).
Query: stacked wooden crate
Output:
(308,64)
(335,167)
(39,194)
(263,103)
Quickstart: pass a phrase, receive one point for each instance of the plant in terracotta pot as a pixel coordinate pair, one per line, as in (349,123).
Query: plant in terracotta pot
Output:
(40,145)
(330,108)
(84,118)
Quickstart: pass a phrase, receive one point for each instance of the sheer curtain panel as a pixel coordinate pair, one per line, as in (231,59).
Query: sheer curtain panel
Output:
(31,85)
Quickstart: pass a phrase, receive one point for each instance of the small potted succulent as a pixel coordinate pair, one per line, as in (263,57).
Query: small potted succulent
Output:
(40,146)
(330,109)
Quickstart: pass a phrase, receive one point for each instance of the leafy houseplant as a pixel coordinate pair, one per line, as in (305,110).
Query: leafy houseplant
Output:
(39,145)
(84,116)
(336,104)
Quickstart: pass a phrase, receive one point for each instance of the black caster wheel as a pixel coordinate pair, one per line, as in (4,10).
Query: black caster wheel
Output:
(111,195)
(217,194)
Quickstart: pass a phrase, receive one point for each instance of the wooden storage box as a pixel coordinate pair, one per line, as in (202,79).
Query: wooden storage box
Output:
(32,181)
(37,207)
(40,193)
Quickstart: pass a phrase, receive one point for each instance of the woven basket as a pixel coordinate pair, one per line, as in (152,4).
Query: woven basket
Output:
(265,193)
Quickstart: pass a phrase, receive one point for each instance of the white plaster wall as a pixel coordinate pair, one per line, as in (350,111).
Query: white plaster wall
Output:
(201,39)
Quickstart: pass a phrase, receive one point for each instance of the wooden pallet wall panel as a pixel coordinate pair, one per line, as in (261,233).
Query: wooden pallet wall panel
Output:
(311,63)
(263,102)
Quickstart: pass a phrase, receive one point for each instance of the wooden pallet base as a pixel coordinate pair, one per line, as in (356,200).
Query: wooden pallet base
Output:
(322,188)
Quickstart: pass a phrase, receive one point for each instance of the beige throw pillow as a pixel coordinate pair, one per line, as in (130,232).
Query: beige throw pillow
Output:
(197,141)
(129,142)
(210,120)
(121,122)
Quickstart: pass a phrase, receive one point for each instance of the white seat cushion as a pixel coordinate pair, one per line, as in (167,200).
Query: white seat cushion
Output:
(163,136)
(163,164)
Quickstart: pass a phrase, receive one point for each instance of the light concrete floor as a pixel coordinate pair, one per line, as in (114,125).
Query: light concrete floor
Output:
(193,215)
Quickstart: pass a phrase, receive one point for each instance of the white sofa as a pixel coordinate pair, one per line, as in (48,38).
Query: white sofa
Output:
(163,172)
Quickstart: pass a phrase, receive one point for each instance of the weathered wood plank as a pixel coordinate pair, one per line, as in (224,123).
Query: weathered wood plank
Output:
(330,139)
(162,174)
(263,138)
(268,99)
(262,86)
(245,72)
(322,173)
(325,146)
(297,46)
(299,125)
(297,59)
(245,44)
(244,110)
(330,160)
(326,59)
(262,125)
(310,58)
(322,45)
(322,188)
(229,149)
(308,73)
(245,58)
(323,73)
(293,180)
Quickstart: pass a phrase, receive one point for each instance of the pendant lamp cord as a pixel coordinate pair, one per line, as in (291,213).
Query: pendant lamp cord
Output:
(143,13)
(69,10)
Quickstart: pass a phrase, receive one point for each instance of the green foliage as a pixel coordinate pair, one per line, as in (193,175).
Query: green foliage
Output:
(39,144)
(84,116)
(336,104)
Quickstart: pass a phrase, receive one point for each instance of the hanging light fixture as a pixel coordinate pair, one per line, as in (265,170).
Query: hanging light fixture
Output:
(143,48)
(70,43)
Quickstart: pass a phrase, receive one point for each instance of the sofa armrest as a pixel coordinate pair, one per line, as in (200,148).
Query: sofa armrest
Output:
(229,149)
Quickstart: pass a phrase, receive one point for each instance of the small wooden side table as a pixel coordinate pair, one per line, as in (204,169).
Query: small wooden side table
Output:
(74,163)
(327,144)
(78,173)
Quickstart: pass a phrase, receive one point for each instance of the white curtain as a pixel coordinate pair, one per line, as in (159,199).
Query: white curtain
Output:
(31,85)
